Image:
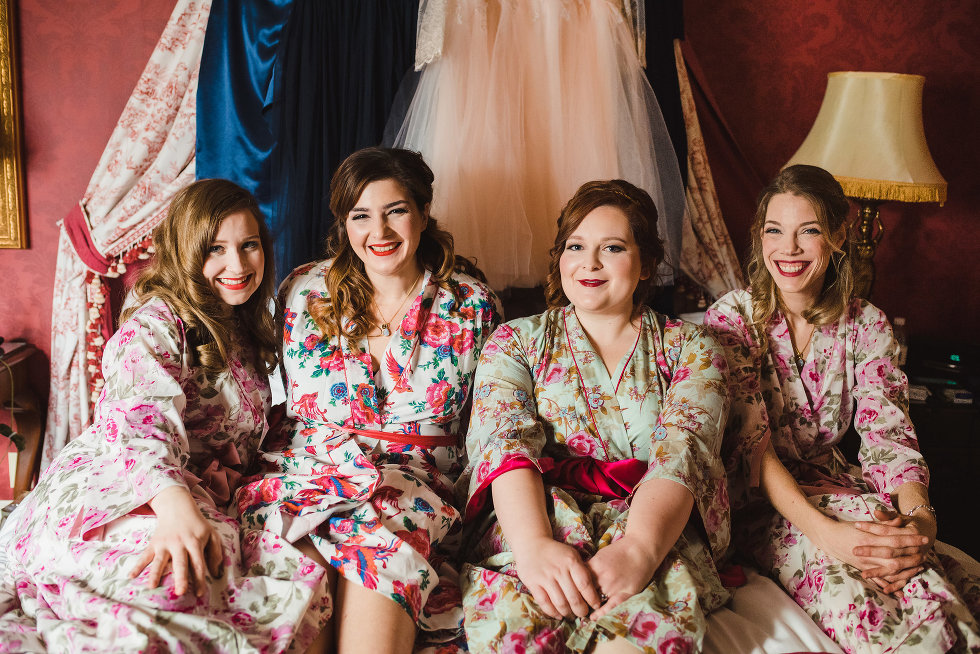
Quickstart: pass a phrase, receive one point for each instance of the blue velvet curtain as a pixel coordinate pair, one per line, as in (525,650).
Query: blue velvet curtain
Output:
(236,98)
(288,89)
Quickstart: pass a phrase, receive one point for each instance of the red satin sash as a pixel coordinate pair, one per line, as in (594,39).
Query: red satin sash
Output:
(609,479)
(419,440)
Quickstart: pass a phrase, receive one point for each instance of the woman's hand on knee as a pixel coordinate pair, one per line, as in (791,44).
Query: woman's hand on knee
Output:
(559,580)
(889,558)
(901,542)
(622,569)
(183,540)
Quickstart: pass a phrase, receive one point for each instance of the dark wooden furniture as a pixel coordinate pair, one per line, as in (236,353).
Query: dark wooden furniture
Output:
(949,438)
(26,410)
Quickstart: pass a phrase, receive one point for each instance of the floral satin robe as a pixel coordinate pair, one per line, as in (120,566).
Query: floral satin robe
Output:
(850,376)
(549,395)
(381,512)
(70,545)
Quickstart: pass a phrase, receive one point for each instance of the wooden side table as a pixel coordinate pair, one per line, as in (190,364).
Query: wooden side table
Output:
(27,411)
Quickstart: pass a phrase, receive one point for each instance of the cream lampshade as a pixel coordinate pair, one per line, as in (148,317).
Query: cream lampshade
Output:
(868,134)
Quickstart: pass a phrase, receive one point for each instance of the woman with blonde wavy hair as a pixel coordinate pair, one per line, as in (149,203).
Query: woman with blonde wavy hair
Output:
(380,344)
(129,543)
(808,361)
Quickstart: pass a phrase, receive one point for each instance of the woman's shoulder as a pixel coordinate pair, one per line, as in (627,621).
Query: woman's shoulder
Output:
(738,302)
(153,323)
(152,312)
(473,289)
(677,331)
(304,278)
(862,311)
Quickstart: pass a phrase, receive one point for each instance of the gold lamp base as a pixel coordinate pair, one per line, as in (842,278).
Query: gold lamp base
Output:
(867,230)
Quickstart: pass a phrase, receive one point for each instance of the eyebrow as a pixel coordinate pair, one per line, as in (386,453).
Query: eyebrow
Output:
(387,206)
(605,239)
(247,238)
(809,222)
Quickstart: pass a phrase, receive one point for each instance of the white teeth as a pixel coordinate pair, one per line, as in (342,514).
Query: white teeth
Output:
(792,267)
(384,248)
(231,281)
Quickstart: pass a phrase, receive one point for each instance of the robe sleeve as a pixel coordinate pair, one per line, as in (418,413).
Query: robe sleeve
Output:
(889,452)
(504,431)
(141,442)
(686,443)
(747,431)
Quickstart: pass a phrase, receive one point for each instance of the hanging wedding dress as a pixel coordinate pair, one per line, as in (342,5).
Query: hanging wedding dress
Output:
(519,103)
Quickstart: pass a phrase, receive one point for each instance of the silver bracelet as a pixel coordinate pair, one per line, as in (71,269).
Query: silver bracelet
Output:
(928,507)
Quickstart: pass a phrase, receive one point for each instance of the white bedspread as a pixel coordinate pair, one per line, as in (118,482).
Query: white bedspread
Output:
(763,619)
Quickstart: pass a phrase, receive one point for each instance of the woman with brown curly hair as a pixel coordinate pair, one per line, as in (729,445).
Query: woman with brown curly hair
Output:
(597,497)
(127,543)
(809,360)
(380,344)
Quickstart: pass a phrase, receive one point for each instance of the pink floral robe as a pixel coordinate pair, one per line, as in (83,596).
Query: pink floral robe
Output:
(850,375)
(381,512)
(70,545)
(542,396)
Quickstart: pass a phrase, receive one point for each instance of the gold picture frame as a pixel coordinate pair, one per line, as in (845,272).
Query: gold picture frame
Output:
(13,212)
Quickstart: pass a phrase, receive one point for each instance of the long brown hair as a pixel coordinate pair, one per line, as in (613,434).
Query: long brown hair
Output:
(176,275)
(641,213)
(349,292)
(825,195)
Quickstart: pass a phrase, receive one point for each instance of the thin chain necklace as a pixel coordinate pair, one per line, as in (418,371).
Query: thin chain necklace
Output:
(385,324)
(797,353)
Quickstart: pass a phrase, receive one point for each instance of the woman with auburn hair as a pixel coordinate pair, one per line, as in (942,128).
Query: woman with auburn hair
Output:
(379,348)
(127,543)
(809,360)
(597,498)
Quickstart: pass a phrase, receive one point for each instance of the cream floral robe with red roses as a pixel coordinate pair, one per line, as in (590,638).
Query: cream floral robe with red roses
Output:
(382,513)
(850,376)
(68,549)
(544,392)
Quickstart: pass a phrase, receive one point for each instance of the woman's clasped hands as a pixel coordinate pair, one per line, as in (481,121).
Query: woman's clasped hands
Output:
(889,551)
(564,585)
(184,540)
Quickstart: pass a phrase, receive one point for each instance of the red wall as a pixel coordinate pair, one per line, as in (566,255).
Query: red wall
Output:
(78,64)
(766,62)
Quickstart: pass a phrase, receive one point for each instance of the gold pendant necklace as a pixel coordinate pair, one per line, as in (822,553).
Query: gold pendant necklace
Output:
(385,324)
(798,354)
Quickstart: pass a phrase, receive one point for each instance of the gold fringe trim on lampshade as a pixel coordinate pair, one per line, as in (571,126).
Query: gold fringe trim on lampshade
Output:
(873,189)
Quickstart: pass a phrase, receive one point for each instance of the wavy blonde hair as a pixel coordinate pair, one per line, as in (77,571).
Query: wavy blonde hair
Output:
(176,275)
(349,292)
(825,195)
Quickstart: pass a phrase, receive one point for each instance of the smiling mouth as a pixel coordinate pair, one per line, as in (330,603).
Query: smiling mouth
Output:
(792,268)
(592,283)
(234,283)
(385,249)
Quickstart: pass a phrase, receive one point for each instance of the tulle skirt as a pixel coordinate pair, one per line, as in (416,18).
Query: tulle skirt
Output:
(530,99)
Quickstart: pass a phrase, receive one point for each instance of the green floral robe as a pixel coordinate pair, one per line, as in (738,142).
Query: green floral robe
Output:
(541,391)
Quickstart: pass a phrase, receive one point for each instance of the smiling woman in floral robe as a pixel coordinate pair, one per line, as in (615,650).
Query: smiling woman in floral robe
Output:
(381,511)
(808,360)
(851,376)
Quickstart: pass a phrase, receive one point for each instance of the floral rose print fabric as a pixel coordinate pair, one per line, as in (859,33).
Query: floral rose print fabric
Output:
(850,377)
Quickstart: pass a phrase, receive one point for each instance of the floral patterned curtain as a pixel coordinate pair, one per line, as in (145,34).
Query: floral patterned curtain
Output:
(148,158)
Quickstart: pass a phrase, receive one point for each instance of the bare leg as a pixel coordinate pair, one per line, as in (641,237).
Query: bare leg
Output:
(367,621)
(324,641)
(617,646)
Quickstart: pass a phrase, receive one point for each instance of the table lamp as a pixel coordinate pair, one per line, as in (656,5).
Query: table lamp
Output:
(868,134)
